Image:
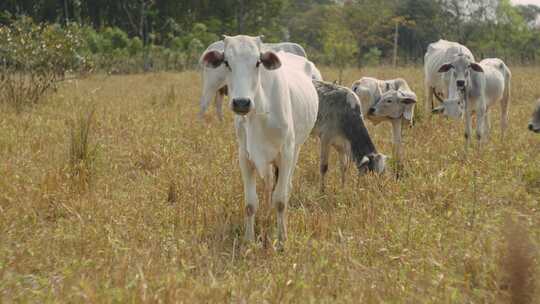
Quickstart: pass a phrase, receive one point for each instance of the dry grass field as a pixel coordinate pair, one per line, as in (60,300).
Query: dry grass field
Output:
(151,210)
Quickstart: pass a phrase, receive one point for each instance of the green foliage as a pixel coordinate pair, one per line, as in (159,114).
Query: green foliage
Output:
(116,38)
(488,27)
(372,58)
(135,46)
(33,57)
(339,44)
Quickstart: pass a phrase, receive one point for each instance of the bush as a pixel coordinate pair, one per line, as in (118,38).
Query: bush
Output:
(135,46)
(373,57)
(33,57)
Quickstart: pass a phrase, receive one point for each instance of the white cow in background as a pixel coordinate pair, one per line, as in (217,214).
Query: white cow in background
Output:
(276,106)
(387,100)
(474,88)
(435,83)
(213,80)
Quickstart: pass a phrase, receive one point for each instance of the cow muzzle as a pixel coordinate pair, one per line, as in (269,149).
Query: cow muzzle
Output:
(241,106)
(460,84)
(531,128)
(371,111)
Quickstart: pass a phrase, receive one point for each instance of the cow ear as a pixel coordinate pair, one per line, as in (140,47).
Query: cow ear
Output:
(364,161)
(438,110)
(445,68)
(270,60)
(213,59)
(407,97)
(476,67)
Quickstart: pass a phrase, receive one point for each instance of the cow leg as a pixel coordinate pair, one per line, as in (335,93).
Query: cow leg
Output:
(280,196)
(468,125)
(250,193)
(323,167)
(219,105)
(343,165)
(206,98)
(505,105)
(487,131)
(481,120)
(396,143)
(295,161)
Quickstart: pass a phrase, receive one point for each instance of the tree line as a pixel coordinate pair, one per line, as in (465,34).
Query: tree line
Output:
(361,32)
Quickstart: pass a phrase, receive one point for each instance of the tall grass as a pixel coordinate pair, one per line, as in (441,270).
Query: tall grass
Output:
(82,154)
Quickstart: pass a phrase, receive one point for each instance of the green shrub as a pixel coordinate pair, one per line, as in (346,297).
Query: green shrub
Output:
(373,57)
(135,46)
(33,57)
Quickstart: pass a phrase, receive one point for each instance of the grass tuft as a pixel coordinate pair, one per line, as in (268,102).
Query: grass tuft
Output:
(82,153)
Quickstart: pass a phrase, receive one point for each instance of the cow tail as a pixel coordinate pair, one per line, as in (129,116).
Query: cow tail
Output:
(505,102)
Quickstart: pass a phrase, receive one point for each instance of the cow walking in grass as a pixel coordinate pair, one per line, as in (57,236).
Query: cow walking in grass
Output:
(340,125)
(534,124)
(276,107)
(387,100)
(438,84)
(475,88)
(213,79)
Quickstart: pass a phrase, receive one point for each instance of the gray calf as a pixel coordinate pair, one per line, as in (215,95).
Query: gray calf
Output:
(340,125)
(534,124)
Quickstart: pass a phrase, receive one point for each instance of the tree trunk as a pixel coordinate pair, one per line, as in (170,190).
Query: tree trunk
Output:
(240,16)
(143,32)
(66,13)
(396,33)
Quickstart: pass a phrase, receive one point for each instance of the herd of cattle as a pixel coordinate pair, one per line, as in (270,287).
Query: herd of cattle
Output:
(280,98)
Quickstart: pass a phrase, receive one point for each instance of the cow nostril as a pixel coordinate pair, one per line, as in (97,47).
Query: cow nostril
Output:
(530,127)
(241,105)
(371,111)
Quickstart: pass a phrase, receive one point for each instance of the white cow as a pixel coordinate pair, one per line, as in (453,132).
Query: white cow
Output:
(436,83)
(534,124)
(387,100)
(276,107)
(474,88)
(213,80)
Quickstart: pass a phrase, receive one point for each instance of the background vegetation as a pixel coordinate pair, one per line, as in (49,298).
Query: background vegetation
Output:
(131,35)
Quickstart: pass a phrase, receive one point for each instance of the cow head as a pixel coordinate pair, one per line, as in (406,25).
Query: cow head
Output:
(458,73)
(534,124)
(374,162)
(244,60)
(394,104)
(367,99)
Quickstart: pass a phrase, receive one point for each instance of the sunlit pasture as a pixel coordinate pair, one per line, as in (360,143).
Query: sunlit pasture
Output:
(153,210)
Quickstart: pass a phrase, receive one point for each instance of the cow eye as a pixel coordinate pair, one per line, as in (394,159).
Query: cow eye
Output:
(389,101)
(227,65)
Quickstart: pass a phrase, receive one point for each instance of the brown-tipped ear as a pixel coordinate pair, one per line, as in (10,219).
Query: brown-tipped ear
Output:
(213,59)
(407,97)
(270,60)
(476,67)
(438,110)
(445,68)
